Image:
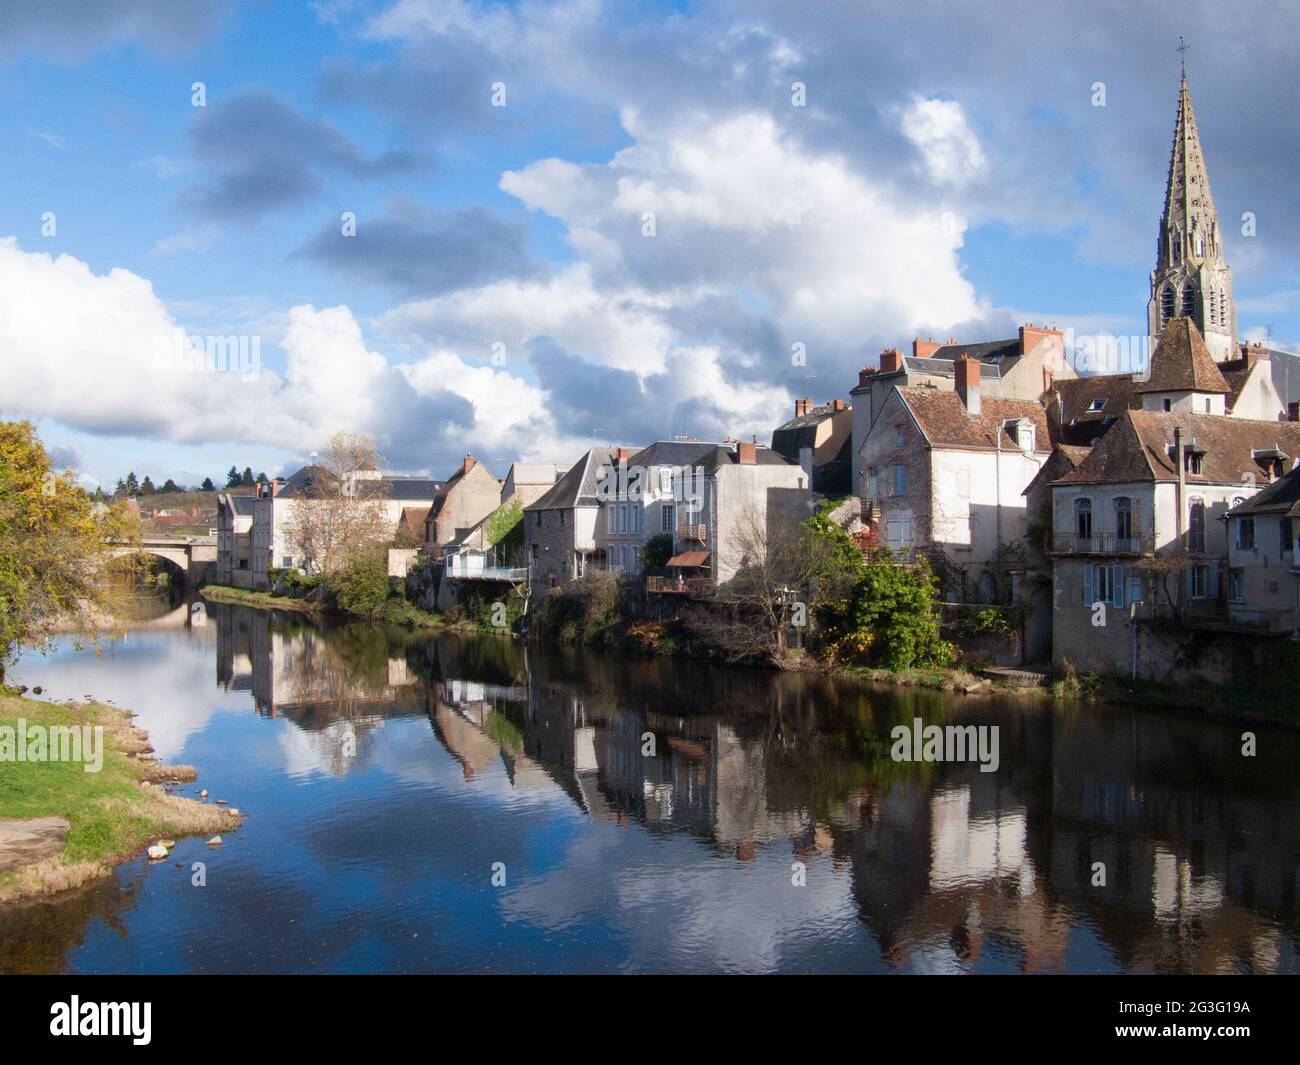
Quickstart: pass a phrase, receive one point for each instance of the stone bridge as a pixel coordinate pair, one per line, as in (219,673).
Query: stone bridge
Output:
(192,556)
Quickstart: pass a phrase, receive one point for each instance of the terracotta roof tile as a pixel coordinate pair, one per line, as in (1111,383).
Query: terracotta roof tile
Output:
(1182,362)
(944,420)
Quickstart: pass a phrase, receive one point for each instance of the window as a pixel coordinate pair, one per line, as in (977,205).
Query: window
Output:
(1103,584)
(666,479)
(1083,519)
(1135,590)
(1194,460)
(1166,305)
(1123,518)
(1197,581)
(900,479)
(1196,525)
(666,518)
(1096,405)
(1207,404)
(1190,310)
(1237,585)
(1284,534)
(898,532)
(1169,404)
(873,482)
(899,439)
(1246,534)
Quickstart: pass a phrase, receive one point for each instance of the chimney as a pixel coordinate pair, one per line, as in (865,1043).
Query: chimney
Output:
(746,453)
(469,463)
(622,454)
(1293,412)
(802,407)
(838,405)
(923,349)
(968,384)
(890,361)
(865,375)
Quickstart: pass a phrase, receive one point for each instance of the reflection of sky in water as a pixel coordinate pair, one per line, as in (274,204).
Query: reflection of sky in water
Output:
(371,840)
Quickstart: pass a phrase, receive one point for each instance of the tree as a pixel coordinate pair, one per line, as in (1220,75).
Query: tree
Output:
(169,486)
(232,478)
(246,478)
(120,488)
(53,559)
(262,477)
(339,514)
(146,487)
(132,485)
(207,485)
(504,531)
(658,550)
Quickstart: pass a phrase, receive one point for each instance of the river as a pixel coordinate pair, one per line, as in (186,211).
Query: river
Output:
(474,804)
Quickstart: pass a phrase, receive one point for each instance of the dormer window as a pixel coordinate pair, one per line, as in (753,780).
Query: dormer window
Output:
(1194,462)
(1096,405)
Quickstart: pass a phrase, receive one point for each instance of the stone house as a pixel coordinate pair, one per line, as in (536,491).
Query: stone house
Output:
(821,440)
(235,540)
(1263,549)
(529,481)
(945,472)
(462,501)
(560,526)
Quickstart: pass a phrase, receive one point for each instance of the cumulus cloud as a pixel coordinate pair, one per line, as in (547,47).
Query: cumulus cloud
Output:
(89,357)
(949,149)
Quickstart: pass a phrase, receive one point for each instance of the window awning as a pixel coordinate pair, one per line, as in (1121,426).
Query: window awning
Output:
(690,558)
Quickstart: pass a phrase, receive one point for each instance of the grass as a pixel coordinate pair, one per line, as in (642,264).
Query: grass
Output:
(220,593)
(114,813)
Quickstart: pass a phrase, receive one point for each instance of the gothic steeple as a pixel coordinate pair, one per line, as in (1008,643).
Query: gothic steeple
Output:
(1191,278)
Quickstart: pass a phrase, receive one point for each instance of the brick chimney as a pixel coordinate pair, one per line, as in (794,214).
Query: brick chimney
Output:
(923,349)
(865,375)
(469,463)
(802,407)
(1031,336)
(968,384)
(890,361)
(622,454)
(746,454)
(838,405)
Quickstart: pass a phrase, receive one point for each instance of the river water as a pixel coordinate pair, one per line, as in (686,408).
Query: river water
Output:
(477,804)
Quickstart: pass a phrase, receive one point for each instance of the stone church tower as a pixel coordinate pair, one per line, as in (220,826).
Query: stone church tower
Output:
(1191,278)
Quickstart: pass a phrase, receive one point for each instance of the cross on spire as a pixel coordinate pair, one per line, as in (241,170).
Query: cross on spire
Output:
(1182,54)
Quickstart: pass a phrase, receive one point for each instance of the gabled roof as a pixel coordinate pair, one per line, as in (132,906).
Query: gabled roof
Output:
(301,485)
(1062,459)
(1137,449)
(240,504)
(724,455)
(673,453)
(577,488)
(1182,362)
(1280,497)
(401,487)
(943,419)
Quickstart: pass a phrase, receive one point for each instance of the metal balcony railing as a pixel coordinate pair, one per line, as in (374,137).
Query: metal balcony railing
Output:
(1100,544)
(679,585)
(688,530)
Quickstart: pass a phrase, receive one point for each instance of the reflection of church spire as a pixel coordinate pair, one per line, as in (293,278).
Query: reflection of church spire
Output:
(1191,279)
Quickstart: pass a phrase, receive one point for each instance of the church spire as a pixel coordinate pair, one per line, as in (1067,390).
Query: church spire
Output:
(1191,279)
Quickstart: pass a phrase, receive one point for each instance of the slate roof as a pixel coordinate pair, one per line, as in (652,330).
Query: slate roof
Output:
(299,485)
(1182,362)
(673,453)
(239,504)
(1280,497)
(943,419)
(402,487)
(1079,425)
(725,455)
(1137,448)
(577,488)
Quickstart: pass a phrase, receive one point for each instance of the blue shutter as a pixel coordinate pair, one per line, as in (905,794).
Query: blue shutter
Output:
(1088,584)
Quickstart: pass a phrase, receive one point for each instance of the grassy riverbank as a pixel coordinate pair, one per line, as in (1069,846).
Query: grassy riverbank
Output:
(112,814)
(220,593)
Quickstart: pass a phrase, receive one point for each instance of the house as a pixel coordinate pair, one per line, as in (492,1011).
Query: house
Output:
(1263,548)
(945,471)
(821,440)
(1022,368)
(560,525)
(1140,521)
(276,502)
(529,481)
(235,540)
(462,501)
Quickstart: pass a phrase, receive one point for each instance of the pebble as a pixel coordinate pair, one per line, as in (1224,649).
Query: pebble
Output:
(157,853)
(215,841)
(203,795)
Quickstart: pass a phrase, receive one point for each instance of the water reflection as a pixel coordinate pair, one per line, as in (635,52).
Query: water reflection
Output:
(650,812)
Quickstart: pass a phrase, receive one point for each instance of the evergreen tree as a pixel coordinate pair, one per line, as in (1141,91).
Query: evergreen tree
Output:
(132,485)
(146,487)
(232,478)
(247,478)
(120,490)
(170,486)
(207,485)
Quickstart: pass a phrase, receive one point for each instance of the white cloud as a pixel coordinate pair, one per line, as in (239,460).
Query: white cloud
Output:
(949,148)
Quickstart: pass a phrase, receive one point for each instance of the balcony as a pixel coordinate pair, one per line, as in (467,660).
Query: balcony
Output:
(1100,544)
(679,585)
(695,531)
(473,568)
(1219,616)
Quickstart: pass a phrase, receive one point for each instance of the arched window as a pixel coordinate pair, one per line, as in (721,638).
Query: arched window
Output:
(1190,310)
(1166,305)
(1123,520)
(1083,519)
(1196,524)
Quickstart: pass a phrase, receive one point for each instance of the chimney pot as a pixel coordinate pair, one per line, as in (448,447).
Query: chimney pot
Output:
(967,371)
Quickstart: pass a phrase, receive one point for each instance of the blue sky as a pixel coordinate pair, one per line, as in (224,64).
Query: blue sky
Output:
(947,174)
